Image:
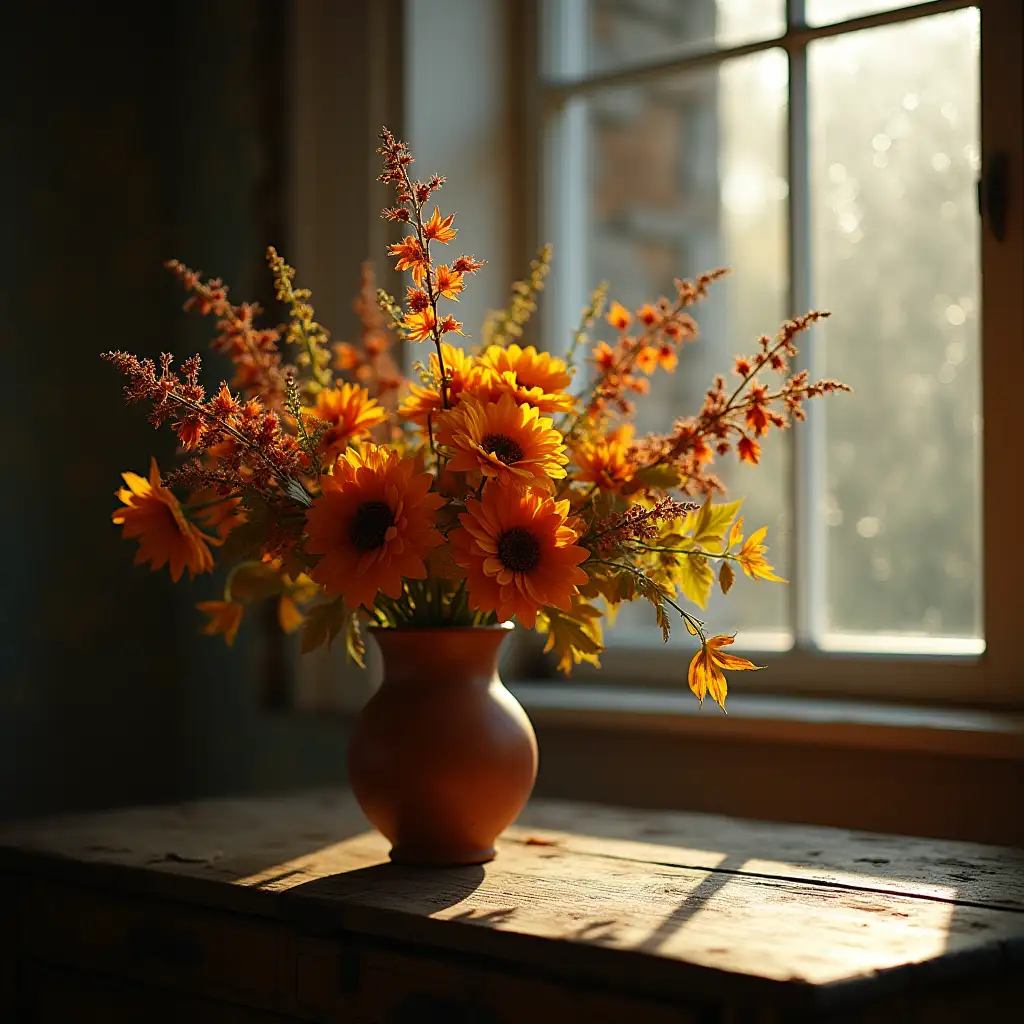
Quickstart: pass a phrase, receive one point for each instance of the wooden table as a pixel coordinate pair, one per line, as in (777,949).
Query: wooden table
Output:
(272,910)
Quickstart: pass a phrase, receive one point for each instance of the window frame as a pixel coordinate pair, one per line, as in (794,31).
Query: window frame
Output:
(989,677)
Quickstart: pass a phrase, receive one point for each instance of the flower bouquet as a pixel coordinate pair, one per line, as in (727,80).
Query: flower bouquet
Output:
(500,483)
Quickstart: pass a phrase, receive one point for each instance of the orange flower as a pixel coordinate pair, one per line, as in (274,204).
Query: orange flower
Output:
(619,317)
(345,356)
(449,282)
(411,257)
(651,356)
(518,552)
(373,524)
(225,617)
(351,413)
(419,326)
(461,370)
(647,314)
(531,377)
(606,461)
(440,230)
(509,442)
(705,674)
(603,356)
(154,515)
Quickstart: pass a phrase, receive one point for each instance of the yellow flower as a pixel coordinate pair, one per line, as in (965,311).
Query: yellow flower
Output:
(225,617)
(373,524)
(705,674)
(419,326)
(606,461)
(509,442)
(154,515)
(351,413)
(518,552)
(531,377)
(460,368)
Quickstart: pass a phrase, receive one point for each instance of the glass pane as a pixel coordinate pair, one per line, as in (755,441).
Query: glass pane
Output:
(827,12)
(686,175)
(619,33)
(895,157)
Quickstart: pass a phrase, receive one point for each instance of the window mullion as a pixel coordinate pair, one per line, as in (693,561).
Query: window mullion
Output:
(807,592)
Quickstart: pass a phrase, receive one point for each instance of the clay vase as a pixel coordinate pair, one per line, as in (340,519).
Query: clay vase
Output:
(442,757)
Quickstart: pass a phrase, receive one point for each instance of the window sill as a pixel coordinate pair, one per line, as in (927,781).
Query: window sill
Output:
(845,723)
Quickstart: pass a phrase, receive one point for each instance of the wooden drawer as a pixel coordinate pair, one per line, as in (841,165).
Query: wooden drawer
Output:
(175,945)
(62,995)
(384,987)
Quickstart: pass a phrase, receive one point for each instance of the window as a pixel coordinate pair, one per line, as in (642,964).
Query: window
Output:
(830,151)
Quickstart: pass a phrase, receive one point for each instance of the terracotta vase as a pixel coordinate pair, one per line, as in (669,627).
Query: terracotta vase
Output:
(442,757)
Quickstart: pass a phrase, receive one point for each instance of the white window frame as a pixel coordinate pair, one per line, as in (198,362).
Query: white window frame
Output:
(916,670)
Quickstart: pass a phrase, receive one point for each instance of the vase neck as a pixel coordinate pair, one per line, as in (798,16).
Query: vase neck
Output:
(440,657)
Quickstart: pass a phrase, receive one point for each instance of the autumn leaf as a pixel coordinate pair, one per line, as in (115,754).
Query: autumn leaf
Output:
(355,648)
(323,623)
(705,674)
(695,578)
(736,533)
(726,577)
(712,521)
(574,636)
(288,615)
(661,476)
(752,560)
(251,581)
(225,617)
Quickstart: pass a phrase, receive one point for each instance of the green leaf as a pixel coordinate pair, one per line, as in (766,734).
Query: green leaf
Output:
(323,623)
(726,577)
(695,578)
(711,523)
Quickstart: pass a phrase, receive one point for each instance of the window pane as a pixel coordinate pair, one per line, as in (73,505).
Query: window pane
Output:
(685,175)
(895,157)
(619,33)
(826,12)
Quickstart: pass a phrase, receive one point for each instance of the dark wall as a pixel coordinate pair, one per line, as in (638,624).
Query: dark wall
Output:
(128,138)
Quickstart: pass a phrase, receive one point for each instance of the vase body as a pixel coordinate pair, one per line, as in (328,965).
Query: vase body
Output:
(442,757)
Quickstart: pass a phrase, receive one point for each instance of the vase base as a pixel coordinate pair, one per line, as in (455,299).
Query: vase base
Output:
(440,858)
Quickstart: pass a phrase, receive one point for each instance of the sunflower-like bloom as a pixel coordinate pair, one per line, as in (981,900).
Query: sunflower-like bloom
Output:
(512,443)
(373,524)
(154,515)
(606,461)
(531,377)
(518,552)
(351,413)
(464,374)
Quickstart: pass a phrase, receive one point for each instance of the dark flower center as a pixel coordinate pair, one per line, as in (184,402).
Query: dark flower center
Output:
(502,446)
(370,525)
(518,550)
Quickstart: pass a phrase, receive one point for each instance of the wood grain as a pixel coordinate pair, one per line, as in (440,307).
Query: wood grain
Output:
(659,902)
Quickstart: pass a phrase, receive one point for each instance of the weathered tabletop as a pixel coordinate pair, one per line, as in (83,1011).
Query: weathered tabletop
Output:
(670,902)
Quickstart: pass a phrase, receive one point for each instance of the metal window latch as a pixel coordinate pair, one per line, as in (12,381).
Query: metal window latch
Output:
(994,194)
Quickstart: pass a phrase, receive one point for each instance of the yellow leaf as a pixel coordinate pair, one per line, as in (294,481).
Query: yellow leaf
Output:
(288,615)
(726,577)
(705,674)
(252,581)
(752,560)
(736,533)
(711,522)
(574,636)
(695,578)
(690,627)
